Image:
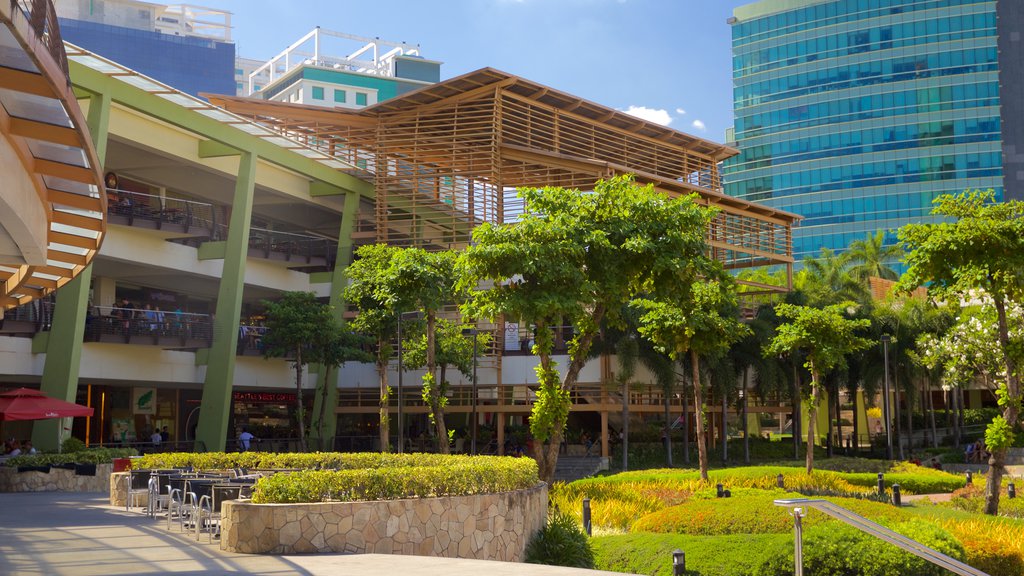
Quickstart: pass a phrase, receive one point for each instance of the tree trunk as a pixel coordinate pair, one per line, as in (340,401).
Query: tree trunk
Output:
(686,425)
(746,432)
(855,440)
(954,399)
(910,420)
(812,416)
(796,413)
(668,431)
(839,419)
(698,411)
(625,425)
(996,462)
(436,410)
(830,409)
(724,429)
(896,419)
(322,442)
(931,413)
(385,419)
(547,455)
(301,411)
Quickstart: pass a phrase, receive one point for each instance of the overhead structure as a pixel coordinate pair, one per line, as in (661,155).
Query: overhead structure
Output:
(448,157)
(52,215)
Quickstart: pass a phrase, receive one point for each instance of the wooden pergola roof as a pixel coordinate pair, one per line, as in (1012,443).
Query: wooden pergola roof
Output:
(448,156)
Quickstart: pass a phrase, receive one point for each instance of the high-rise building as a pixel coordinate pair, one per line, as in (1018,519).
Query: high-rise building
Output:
(309,71)
(187,47)
(856,114)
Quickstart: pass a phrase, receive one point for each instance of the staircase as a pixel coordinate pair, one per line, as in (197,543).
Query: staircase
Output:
(571,468)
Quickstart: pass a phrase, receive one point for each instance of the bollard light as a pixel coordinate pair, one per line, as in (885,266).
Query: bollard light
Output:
(896,495)
(727,494)
(881,484)
(678,562)
(719,493)
(970,477)
(586,515)
(1011,490)
(780,480)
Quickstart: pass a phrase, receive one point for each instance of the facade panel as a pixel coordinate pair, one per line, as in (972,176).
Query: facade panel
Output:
(857,113)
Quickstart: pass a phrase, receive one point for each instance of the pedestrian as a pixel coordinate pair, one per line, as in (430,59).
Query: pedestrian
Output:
(245,440)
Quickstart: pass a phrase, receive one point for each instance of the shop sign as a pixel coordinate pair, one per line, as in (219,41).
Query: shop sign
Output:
(265,397)
(144,401)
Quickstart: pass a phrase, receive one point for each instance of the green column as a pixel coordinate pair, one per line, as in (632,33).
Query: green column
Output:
(327,391)
(215,408)
(64,341)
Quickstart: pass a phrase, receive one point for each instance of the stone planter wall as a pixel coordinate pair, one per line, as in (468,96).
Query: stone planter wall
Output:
(484,526)
(56,480)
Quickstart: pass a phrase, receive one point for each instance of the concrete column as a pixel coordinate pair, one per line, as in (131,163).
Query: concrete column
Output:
(499,424)
(215,408)
(862,419)
(64,341)
(327,392)
(104,291)
(604,434)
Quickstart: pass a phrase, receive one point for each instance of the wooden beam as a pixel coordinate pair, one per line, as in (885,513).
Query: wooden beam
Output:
(42,131)
(65,171)
(71,240)
(78,221)
(72,200)
(27,82)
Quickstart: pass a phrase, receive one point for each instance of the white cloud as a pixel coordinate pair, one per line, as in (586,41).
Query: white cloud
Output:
(656,115)
(680,111)
(699,125)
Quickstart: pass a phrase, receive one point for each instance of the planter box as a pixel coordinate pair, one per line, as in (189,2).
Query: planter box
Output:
(482,526)
(56,480)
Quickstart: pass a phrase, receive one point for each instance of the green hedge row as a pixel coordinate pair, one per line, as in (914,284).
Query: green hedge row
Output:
(90,456)
(299,461)
(454,476)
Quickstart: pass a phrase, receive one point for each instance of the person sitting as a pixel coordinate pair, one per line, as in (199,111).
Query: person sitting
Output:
(27,447)
(15,448)
(971,455)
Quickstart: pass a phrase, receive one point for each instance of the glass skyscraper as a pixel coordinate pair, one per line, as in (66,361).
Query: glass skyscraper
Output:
(857,113)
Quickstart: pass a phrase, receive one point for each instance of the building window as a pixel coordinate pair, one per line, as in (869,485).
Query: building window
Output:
(339,96)
(360,99)
(239,72)
(318,93)
(257,88)
(239,86)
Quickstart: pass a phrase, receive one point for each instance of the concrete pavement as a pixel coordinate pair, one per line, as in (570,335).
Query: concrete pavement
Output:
(56,533)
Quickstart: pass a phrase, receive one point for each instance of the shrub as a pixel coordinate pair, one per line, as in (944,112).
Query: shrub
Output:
(912,480)
(72,444)
(85,456)
(615,505)
(562,542)
(841,550)
(993,546)
(458,476)
(707,556)
(298,461)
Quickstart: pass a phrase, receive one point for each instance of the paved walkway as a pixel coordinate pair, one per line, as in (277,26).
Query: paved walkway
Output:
(80,535)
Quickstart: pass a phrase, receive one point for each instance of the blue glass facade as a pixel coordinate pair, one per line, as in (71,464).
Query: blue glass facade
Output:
(187,63)
(857,113)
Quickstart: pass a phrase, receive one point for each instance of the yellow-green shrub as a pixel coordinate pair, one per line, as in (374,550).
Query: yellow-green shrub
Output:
(991,546)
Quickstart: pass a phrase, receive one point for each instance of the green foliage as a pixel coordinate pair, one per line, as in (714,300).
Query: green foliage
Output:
(562,542)
(826,335)
(83,456)
(998,434)
(705,556)
(452,347)
(452,476)
(840,550)
(72,444)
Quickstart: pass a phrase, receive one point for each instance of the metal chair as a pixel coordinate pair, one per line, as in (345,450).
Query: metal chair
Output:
(210,507)
(137,485)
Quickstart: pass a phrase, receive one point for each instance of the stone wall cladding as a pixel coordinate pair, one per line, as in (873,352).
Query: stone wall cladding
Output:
(482,526)
(56,480)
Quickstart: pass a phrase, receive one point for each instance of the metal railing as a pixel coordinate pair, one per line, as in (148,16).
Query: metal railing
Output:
(797,507)
(161,210)
(295,246)
(42,17)
(148,325)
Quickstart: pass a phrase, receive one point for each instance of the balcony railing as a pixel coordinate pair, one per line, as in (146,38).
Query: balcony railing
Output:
(292,247)
(154,327)
(42,17)
(158,212)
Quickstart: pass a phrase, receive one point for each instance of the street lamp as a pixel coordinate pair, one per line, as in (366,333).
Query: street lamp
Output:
(472,443)
(885,398)
(401,425)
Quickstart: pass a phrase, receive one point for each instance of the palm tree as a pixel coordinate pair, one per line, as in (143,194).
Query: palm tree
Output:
(871,255)
(826,279)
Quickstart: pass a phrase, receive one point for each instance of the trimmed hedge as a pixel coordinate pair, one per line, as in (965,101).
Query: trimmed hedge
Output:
(297,460)
(839,549)
(90,456)
(705,555)
(453,476)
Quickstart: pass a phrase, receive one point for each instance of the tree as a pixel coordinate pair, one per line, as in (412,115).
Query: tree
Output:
(579,257)
(451,348)
(343,346)
(871,255)
(826,336)
(702,320)
(303,330)
(980,248)
(377,313)
(826,279)
(426,281)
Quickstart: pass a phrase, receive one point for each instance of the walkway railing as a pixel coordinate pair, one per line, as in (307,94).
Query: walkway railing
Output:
(161,210)
(798,505)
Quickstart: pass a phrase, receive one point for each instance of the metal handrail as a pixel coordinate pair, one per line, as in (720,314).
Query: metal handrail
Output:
(867,526)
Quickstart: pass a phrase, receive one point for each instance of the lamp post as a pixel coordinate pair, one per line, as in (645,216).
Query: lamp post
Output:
(472,442)
(401,423)
(885,397)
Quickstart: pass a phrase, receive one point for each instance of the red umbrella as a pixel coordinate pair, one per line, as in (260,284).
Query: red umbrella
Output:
(28,404)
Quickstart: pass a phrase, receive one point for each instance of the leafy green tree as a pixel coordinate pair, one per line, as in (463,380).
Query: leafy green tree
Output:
(980,248)
(826,279)
(452,348)
(871,256)
(425,280)
(701,321)
(301,329)
(579,257)
(377,313)
(826,336)
(344,346)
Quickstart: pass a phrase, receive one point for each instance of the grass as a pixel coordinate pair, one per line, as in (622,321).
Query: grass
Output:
(705,555)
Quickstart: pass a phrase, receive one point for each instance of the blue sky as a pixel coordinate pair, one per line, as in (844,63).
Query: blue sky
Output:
(668,58)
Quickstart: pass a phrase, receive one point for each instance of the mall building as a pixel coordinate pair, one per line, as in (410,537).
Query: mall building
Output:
(207,207)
